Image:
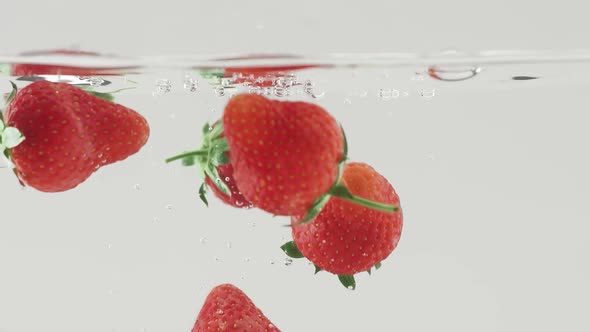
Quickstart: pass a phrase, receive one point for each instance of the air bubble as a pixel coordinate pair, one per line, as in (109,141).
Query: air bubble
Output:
(93,81)
(227,179)
(427,94)
(190,84)
(239,203)
(288,261)
(137,186)
(156,219)
(243,276)
(109,246)
(203,240)
(168,207)
(363,94)
(272,262)
(347,101)
(280,91)
(228,245)
(163,86)
(387,94)
(219,91)
(247,259)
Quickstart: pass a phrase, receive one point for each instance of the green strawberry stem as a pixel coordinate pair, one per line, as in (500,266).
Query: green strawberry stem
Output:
(211,154)
(342,192)
(194,153)
(108,96)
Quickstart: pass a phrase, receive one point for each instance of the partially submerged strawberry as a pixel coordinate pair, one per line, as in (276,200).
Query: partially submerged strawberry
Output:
(32,69)
(346,238)
(227,308)
(213,161)
(69,134)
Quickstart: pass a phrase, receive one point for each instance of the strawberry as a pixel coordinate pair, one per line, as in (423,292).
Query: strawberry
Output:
(285,155)
(32,69)
(69,134)
(215,168)
(346,238)
(227,308)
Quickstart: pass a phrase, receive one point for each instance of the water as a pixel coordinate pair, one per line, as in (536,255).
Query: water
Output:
(488,152)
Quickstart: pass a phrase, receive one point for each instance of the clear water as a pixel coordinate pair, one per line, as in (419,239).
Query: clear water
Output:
(488,152)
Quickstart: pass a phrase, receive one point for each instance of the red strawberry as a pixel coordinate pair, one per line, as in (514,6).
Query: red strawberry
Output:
(227,308)
(69,134)
(32,69)
(215,167)
(346,238)
(285,155)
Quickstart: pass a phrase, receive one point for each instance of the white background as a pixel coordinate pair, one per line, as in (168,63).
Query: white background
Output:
(492,174)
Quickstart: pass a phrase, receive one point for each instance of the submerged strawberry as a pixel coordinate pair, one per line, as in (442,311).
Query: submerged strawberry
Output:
(346,238)
(227,308)
(69,134)
(214,165)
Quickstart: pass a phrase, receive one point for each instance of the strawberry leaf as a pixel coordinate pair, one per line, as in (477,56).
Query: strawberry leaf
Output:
(11,137)
(291,250)
(345,143)
(220,144)
(206,129)
(219,158)
(215,73)
(188,161)
(12,93)
(317,269)
(347,281)
(203,193)
(315,209)
(102,95)
(5,69)
(212,173)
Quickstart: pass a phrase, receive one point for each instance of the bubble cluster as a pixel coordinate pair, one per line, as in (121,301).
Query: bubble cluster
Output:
(162,86)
